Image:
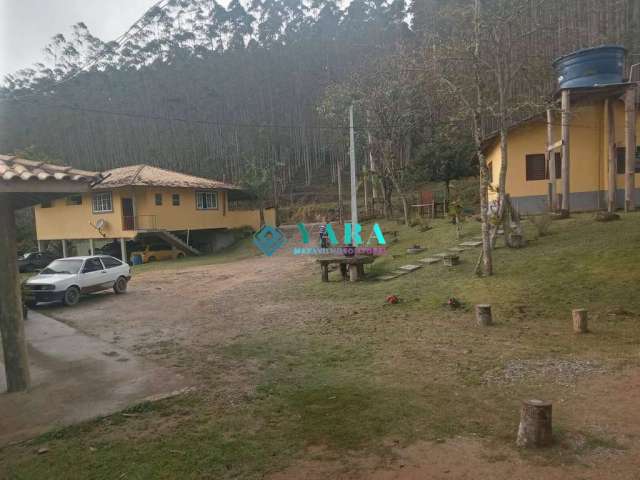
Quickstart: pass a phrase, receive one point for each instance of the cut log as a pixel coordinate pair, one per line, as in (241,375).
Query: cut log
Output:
(483,315)
(580,317)
(535,424)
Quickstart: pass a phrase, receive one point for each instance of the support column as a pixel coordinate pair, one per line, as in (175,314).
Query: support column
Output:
(91,246)
(123,250)
(64,248)
(630,144)
(551,163)
(611,157)
(39,245)
(14,345)
(566,164)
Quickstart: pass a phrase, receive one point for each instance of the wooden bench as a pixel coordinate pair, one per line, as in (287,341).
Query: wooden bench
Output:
(354,264)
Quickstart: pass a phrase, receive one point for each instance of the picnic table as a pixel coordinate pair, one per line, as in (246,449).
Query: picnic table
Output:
(355,265)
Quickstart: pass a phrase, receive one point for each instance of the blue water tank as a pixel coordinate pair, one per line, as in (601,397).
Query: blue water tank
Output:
(591,67)
(136,259)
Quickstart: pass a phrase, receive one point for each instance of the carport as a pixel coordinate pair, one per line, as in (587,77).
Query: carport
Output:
(24,183)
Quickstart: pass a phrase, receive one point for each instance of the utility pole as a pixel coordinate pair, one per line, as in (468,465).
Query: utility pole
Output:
(339,175)
(352,158)
(372,169)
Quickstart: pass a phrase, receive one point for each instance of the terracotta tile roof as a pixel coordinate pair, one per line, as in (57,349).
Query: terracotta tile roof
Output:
(14,169)
(146,175)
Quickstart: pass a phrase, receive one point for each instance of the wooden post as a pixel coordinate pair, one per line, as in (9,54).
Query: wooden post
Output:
(630,143)
(551,162)
(123,250)
(324,269)
(566,164)
(611,149)
(535,428)
(352,168)
(483,315)
(339,174)
(16,362)
(580,319)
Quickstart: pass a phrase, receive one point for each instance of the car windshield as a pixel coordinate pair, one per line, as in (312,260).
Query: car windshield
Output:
(62,266)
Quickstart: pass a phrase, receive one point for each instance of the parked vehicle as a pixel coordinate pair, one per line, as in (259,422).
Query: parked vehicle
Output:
(155,252)
(66,279)
(113,249)
(33,261)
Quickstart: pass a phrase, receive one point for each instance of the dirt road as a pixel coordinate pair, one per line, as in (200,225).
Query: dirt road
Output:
(174,316)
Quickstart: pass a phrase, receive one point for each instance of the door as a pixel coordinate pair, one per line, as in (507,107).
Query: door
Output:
(128,220)
(93,276)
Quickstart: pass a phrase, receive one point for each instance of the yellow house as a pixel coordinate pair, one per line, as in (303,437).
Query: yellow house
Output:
(190,213)
(528,169)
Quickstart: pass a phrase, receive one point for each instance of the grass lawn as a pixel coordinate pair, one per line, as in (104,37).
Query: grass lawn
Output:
(238,251)
(368,374)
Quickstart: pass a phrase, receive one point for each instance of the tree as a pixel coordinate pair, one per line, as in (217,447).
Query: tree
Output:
(259,182)
(447,156)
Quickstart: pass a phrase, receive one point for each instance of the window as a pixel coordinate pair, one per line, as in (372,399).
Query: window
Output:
(558,160)
(92,265)
(158,199)
(207,200)
(110,262)
(46,204)
(175,199)
(74,200)
(102,202)
(536,167)
(621,153)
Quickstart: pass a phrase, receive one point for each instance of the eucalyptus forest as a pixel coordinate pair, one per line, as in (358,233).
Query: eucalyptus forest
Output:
(213,90)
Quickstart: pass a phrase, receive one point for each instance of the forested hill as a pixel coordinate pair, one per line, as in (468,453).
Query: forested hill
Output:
(211,90)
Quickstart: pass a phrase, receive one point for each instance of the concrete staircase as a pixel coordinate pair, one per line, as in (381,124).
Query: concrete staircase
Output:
(176,242)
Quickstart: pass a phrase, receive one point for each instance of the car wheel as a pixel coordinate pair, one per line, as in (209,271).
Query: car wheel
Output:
(121,285)
(72,296)
(151,259)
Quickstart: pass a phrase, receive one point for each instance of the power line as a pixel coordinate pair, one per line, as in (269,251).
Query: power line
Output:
(149,116)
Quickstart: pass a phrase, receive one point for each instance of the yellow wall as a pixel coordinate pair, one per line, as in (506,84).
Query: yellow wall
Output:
(63,221)
(588,153)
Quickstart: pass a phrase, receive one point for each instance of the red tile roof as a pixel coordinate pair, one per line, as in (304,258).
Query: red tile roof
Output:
(13,169)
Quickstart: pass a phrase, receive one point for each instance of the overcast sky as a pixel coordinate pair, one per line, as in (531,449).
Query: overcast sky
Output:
(26,26)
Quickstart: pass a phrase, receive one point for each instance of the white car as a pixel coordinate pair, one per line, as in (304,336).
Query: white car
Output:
(66,279)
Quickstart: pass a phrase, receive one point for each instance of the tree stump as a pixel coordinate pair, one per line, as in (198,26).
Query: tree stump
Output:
(535,424)
(580,318)
(483,315)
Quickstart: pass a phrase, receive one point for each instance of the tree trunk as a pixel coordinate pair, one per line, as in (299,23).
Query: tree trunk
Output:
(14,344)
(487,262)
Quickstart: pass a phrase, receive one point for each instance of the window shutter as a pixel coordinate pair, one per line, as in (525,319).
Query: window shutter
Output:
(535,167)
